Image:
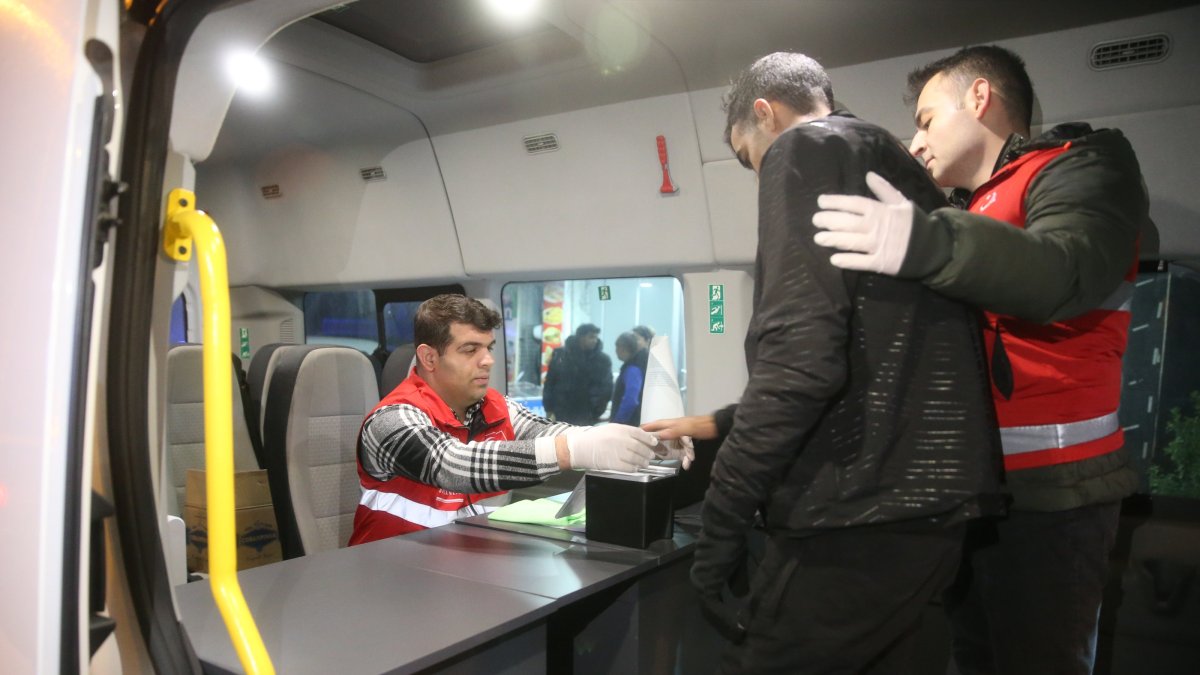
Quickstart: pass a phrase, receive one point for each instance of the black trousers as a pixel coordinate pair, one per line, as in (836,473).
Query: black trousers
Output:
(844,602)
(1028,594)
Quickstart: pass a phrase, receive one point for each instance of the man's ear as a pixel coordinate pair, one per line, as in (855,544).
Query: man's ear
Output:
(427,357)
(764,114)
(979,97)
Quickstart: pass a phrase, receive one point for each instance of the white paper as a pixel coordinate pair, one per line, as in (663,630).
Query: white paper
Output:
(660,394)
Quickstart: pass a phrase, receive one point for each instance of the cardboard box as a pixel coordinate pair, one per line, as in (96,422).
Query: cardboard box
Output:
(629,510)
(254,518)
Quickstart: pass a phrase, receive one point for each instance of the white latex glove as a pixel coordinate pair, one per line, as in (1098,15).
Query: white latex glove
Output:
(872,235)
(681,449)
(612,447)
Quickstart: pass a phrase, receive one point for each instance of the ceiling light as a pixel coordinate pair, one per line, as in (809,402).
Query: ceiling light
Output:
(513,10)
(250,73)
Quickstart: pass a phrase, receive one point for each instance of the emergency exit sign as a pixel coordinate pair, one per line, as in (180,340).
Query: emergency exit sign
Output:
(716,308)
(605,293)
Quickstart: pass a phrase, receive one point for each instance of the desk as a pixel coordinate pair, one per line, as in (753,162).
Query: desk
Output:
(469,598)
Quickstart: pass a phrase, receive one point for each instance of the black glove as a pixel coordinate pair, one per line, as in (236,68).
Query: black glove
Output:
(719,569)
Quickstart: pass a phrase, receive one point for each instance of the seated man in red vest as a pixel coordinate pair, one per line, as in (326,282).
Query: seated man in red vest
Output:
(1046,241)
(443,445)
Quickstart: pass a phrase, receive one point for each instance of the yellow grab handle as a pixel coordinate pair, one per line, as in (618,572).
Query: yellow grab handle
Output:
(186,227)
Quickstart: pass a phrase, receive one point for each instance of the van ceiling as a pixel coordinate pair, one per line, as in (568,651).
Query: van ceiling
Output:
(448,62)
(707,36)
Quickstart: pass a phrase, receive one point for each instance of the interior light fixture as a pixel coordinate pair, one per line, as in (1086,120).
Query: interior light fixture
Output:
(250,73)
(512,10)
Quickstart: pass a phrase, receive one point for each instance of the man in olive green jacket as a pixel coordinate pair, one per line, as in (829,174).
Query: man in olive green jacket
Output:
(1046,243)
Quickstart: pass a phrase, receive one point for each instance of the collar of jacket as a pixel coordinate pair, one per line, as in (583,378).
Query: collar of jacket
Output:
(492,406)
(1017,145)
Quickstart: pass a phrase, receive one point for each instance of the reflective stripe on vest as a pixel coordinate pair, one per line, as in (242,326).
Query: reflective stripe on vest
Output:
(416,513)
(1019,440)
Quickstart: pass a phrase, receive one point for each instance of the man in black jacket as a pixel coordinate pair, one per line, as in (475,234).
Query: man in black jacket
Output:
(865,438)
(579,381)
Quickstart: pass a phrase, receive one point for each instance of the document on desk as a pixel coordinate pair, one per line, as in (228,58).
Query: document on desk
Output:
(660,394)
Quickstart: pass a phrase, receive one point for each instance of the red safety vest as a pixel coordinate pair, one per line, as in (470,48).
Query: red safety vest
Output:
(1067,374)
(402,505)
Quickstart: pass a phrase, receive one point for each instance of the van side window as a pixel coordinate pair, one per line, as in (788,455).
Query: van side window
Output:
(1160,397)
(571,349)
(179,321)
(341,318)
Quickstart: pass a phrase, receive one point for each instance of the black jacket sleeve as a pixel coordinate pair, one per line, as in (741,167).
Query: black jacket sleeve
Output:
(600,383)
(795,347)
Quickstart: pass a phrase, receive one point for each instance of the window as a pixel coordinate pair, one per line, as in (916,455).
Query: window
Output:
(1160,397)
(179,321)
(542,317)
(342,318)
(398,323)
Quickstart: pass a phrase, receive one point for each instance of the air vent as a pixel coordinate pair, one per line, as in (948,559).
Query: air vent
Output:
(541,143)
(372,174)
(1134,51)
(287,331)
(271,192)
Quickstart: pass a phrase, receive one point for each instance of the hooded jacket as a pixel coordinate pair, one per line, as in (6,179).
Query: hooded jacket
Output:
(578,383)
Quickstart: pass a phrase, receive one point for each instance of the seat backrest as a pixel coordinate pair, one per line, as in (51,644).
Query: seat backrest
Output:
(398,364)
(317,398)
(256,380)
(183,434)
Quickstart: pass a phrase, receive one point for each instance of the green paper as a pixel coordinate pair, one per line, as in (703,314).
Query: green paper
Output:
(536,512)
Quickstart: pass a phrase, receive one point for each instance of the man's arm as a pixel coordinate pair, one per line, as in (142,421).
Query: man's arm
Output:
(798,342)
(1083,214)
(1084,211)
(600,384)
(401,440)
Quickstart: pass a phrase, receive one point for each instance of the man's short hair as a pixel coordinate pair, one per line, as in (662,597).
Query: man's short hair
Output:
(787,77)
(1003,69)
(431,325)
(646,332)
(586,329)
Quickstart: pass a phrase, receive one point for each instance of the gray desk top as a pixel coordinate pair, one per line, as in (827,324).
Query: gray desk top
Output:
(358,610)
(410,602)
(549,568)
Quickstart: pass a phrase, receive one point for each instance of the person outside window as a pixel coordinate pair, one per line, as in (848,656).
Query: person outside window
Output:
(579,380)
(627,393)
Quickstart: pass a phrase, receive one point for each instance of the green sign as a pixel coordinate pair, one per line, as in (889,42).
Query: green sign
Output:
(244,334)
(716,308)
(605,293)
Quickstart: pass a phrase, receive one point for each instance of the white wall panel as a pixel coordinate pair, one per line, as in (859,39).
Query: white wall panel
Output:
(716,361)
(733,204)
(593,204)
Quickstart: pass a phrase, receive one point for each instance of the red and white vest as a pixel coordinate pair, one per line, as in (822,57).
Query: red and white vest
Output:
(402,505)
(1067,374)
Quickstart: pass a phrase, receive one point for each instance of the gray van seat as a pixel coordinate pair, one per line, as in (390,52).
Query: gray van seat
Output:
(183,435)
(316,399)
(397,367)
(256,380)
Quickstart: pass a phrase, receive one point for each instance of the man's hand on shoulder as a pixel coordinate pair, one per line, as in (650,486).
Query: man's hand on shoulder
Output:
(888,235)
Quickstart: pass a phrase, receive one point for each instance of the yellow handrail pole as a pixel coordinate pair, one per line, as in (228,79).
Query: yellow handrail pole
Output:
(186,226)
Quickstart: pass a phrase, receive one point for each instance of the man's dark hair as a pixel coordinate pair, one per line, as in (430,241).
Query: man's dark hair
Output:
(431,325)
(587,329)
(646,332)
(1003,69)
(787,77)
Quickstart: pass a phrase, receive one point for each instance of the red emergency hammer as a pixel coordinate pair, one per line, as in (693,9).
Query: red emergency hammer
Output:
(668,188)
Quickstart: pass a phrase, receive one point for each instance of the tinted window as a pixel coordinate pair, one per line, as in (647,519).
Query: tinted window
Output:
(341,318)
(1160,399)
